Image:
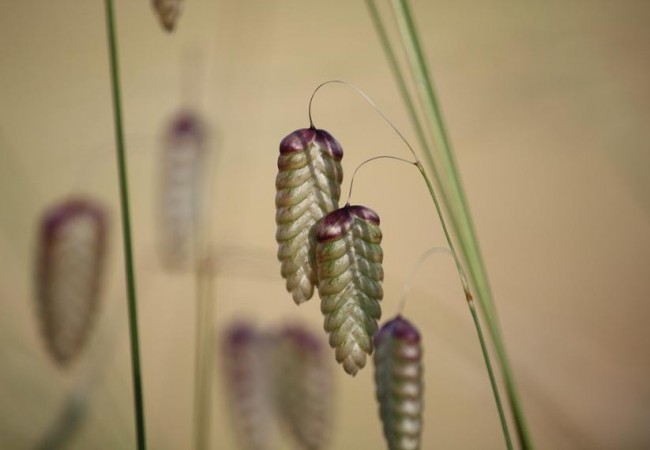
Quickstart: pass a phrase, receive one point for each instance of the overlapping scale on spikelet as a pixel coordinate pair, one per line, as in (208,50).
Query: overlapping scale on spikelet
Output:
(308,187)
(70,265)
(349,258)
(182,158)
(398,380)
(302,386)
(246,384)
(168,12)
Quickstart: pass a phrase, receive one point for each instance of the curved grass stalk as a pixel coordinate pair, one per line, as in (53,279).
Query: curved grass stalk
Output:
(453,196)
(126,228)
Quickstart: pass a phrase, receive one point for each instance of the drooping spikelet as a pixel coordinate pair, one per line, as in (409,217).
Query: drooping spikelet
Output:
(168,12)
(349,257)
(302,386)
(398,380)
(308,187)
(70,265)
(183,156)
(246,384)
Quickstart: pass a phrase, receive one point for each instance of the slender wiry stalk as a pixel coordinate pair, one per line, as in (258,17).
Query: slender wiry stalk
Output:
(400,80)
(126,228)
(452,192)
(493,381)
(454,198)
(472,308)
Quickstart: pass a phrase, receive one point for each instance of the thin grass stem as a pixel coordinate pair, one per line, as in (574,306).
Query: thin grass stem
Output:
(452,192)
(493,381)
(126,228)
(454,198)
(400,80)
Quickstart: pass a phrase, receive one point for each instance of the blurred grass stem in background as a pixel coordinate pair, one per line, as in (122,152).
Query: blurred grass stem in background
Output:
(126,227)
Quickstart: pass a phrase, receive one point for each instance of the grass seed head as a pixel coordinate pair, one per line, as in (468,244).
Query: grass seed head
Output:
(349,259)
(308,186)
(183,156)
(168,12)
(398,382)
(70,266)
(302,386)
(247,386)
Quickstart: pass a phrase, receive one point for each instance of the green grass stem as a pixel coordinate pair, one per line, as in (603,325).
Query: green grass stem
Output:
(126,228)
(493,380)
(453,197)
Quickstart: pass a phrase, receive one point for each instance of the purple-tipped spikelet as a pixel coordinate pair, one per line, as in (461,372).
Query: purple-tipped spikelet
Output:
(168,12)
(349,257)
(302,386)
(308,187)
(246,384)
(398,380)
(180,188)
(70,266)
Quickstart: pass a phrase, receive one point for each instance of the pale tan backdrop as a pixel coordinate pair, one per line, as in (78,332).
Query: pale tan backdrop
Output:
(548,105)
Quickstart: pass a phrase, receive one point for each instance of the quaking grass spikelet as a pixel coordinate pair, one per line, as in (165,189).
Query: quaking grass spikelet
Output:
(398,381)
(246,384)
(308,187)
(181,175)
(69,270)
(349,258)
(302,386)
(168,12)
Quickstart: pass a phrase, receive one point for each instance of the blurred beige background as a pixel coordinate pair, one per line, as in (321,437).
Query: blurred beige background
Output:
(548,105)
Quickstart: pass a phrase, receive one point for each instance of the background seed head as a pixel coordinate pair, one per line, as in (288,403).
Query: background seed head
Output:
(182,159)
(308,186)
(247,386)
(398,381)
(302,386)
(69,271)
(168,12)
(349,259)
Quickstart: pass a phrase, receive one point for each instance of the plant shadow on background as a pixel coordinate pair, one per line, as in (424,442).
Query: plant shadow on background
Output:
(143,303)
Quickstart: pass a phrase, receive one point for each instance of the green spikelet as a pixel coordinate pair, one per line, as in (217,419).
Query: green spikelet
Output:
(398,380)
(308,187)
(349,261)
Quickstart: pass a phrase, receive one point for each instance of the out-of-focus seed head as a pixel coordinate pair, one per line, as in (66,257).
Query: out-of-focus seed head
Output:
(308,187)
(302,386)
(349,260)
(247,386)
(168,12)
(398,382)
(69,270)
(182,160)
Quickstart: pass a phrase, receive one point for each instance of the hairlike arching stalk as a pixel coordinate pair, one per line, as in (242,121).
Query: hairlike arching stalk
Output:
(459,267)
(451,187)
